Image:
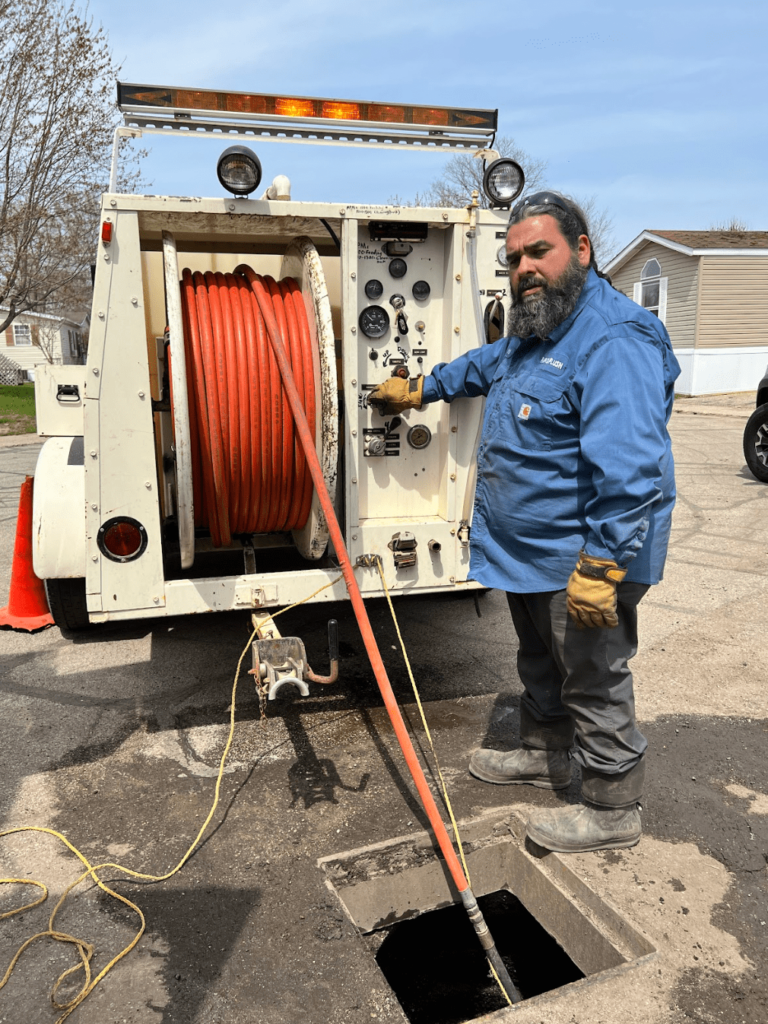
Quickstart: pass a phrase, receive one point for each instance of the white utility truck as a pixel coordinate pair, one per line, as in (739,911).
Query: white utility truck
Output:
(171,482)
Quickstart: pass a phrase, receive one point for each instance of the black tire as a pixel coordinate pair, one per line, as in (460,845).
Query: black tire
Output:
(66,599)
(756,443)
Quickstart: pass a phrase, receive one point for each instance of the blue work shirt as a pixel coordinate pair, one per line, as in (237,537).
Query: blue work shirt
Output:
(574,451)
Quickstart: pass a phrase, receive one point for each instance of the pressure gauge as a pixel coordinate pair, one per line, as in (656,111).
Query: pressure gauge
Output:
(501,255)
(398,267)
(374,321)
(420,291)
(419,436)
(374,289)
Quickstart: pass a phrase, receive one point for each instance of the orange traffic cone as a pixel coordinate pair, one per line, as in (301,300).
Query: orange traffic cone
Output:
(27,608)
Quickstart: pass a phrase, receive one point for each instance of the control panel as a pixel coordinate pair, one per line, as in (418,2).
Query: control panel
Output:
(410,476)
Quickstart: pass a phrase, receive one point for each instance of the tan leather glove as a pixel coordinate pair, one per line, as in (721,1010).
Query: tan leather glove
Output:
(591,592)
(397,394)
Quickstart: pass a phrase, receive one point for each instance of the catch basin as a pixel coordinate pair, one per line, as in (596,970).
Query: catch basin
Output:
(552,930)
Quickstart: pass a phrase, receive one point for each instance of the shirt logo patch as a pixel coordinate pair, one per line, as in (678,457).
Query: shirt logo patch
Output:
(525,412)
(552,364)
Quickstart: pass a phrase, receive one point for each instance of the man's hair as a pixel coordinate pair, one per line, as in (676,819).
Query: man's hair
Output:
(571,219)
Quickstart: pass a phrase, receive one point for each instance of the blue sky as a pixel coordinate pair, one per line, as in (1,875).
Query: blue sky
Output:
(656,109)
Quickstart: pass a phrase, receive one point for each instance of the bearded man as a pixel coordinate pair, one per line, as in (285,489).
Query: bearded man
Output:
(575,488)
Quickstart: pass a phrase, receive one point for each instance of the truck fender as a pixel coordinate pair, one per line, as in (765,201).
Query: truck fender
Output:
(58,510)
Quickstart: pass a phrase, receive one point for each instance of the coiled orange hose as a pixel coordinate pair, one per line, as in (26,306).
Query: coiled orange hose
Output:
(249,471)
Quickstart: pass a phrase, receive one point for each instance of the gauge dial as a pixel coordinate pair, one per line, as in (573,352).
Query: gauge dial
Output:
(374,321)
(501,255)
(419,436)
(421,290)
(374,289)
(398,267)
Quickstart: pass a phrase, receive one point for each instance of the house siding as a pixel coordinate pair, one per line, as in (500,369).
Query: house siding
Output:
(734,301)
(682,274)
(50,342)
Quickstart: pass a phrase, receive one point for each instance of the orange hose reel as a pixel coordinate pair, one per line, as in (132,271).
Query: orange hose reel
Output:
(249,471)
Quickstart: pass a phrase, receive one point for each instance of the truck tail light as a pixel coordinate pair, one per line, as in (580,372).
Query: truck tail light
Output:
(122,539)
(106,232)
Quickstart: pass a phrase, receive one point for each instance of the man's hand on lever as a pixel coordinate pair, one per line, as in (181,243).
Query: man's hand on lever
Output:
(397,394)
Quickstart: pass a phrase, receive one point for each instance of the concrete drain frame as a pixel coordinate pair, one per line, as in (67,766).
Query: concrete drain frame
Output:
(399,879)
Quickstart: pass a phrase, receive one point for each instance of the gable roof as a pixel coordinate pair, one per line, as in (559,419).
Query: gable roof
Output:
(697,243)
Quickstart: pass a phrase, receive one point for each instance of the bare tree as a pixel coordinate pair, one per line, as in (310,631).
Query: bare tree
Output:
(734,224)
(464,173)
(600,224)
(57,116)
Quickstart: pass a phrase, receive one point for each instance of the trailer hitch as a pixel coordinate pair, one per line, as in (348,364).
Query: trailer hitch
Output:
(282,661)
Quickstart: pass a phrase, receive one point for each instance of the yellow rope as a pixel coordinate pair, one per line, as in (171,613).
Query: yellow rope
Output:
(446,798)
(85,949)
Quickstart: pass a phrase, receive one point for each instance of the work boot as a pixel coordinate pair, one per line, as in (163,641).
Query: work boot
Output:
(609,818)
(545,769)
(581,828)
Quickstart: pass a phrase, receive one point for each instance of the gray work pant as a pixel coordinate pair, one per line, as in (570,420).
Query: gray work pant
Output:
(578,686)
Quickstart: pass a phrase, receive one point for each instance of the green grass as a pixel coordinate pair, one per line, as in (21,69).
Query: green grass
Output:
(17,409)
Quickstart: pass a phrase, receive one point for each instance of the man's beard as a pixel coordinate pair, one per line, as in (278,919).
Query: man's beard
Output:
(542,312)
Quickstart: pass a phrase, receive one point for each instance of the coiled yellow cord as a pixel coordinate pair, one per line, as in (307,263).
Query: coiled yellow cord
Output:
(85,949)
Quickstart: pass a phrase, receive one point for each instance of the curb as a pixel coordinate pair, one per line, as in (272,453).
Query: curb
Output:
(738,414)
(17,440)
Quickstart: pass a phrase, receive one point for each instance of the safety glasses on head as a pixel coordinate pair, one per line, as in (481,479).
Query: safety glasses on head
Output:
(544,199)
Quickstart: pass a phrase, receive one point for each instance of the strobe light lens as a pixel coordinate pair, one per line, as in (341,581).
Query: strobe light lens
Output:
(122,539)
(503,181)
(239,170)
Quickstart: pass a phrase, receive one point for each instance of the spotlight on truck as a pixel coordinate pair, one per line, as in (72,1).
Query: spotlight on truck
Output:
(503,181)
(239,170)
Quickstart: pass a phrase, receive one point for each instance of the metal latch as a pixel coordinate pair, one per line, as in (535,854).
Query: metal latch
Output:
(464,533)
(67,394)
(403,545)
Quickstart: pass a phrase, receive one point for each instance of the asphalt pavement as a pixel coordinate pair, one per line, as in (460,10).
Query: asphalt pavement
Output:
(114,739)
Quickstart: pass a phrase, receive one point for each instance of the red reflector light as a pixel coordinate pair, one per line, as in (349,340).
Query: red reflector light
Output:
(106,232)
(122,539)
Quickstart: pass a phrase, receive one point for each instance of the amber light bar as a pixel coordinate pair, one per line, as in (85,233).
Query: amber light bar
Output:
(140,99)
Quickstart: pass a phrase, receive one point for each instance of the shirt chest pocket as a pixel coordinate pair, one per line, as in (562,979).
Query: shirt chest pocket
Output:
(535,412)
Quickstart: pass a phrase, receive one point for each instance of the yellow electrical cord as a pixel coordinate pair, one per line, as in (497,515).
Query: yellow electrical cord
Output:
(446,798)
(85,949)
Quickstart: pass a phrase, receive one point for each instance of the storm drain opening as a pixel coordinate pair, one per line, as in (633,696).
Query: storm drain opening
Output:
(436,968)
(552,930)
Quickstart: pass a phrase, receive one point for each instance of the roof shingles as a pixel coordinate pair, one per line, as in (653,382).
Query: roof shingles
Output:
(717,239)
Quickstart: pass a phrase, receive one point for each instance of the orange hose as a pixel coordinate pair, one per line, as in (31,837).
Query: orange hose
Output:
(249,472)
(303,429)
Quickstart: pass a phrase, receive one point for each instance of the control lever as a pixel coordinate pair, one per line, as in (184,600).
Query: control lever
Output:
(333,656)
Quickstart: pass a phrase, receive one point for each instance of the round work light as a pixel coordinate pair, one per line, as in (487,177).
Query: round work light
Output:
(239,170)
(503,181)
